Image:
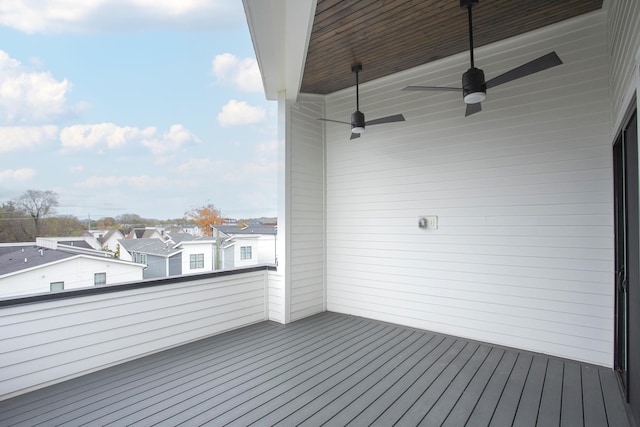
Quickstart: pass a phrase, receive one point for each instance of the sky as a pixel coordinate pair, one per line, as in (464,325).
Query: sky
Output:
(150,107)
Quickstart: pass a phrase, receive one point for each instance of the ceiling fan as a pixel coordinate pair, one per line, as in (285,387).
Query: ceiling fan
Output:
(474,87)
(357,118)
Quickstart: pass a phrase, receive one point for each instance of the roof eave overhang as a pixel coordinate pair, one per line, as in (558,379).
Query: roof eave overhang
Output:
(280,31)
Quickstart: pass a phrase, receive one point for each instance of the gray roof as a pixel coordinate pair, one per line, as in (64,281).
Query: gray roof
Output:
(108,235)
(178,237)
(251,229)
(13,247)
(149,246)
(34,255)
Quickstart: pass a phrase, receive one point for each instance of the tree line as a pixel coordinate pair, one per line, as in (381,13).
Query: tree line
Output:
(33,214)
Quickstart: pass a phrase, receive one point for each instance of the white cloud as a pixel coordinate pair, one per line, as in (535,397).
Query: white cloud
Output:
(104,15)
(11,175)
(141,182)
(76,169)
(242,73)
(269,148)
(238,113)
(14,138)
(195,166)
(83,137)
(28,97)
(170,141)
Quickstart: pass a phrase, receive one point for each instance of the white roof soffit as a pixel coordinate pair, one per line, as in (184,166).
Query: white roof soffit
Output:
(280,31)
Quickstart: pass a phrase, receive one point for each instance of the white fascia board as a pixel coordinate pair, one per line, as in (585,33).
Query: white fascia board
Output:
(280,31)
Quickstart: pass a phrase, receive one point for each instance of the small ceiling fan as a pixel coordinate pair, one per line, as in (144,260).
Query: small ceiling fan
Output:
(357,118)
(474,87)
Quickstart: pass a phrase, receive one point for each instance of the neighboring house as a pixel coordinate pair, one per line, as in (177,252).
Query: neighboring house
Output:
(145,233)
(161,258)
(198,255)
(35,269)
(246,246)
(194,230)
(109,240)
(87,242)
(176,237)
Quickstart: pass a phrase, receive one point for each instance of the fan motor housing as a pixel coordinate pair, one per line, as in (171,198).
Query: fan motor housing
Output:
(473,83)
(357,120)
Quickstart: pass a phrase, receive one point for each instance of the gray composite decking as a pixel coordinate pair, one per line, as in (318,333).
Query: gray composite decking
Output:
(331,369)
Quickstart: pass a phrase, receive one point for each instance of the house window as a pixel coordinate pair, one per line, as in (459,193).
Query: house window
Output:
(100,279)
(140,258)
(56,286)
(245,252)
(196,261)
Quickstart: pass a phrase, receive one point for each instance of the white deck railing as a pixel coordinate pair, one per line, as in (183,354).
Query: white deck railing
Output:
(50,338)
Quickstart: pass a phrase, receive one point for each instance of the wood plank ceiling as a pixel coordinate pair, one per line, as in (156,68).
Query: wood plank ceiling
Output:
(388,36)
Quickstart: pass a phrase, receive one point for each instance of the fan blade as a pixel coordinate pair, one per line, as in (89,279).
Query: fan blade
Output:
(354,135)
(335,121)
(388,119)
(472,109)
(431,88)
(546,61)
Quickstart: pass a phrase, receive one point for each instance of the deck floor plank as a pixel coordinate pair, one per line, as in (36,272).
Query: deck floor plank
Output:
(386,393)
(508,404)
(339,366)
(181,385)
(486,405)
(527,412)
(213,391)
(551,399)
(411,392)
(431,394)
(331,369)
(451,395)
(616,412)
(594,412)
(464,407)
(330,397)
(572,408)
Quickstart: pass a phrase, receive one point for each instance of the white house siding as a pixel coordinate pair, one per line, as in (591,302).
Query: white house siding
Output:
(47,342)
(307,209)
(523,255)
(624,47)
(275,296)
(77,272)
(207,249)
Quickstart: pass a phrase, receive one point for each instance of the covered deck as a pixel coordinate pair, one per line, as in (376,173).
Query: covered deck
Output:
(331,369)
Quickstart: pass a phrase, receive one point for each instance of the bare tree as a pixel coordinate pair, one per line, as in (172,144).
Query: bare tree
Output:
(38,204)
(12,223)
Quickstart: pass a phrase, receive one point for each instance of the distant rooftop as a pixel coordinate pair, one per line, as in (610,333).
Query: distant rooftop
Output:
(149,246)
(251,229)
(29,257)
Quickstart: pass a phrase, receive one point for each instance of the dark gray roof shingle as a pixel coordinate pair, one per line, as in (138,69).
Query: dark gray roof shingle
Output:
(34,256)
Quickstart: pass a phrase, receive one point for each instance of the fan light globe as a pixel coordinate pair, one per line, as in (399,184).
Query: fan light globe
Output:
(357,129)
(475,97)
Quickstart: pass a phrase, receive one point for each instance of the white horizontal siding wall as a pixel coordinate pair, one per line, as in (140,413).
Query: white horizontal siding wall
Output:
(47,342)
(275,296)
(523,255)
(307,208)
(624,47)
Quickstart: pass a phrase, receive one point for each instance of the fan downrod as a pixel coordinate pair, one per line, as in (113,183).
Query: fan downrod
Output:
(357,118)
